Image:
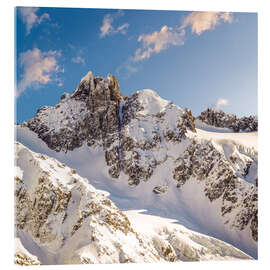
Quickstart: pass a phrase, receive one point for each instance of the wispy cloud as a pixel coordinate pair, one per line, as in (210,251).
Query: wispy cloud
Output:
(79,54)
(78,60)
(220,102)
(167,36)
(203,21)
(39,68)
(30,18)
(107,27)
(158,41)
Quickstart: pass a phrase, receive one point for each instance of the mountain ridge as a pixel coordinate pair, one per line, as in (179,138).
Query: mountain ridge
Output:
(218,118)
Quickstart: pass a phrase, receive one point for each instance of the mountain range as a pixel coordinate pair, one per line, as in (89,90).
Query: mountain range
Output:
(106,178)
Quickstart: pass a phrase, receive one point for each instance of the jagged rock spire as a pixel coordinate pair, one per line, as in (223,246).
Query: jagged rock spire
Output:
(102,89)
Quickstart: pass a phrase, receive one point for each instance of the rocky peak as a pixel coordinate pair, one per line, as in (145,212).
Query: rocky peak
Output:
(90,113)
(98,91)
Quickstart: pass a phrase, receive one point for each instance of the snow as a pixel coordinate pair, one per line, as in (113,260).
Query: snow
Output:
(21,250)
(247,139)
(153,233)
(94,240)
(87,77)
(65,113)
(147,223)
(178,235)
(195,212)
(201,125)
(151,102)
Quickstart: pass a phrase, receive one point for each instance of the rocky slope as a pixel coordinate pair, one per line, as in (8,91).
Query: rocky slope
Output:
(61,219)
(148,154)
(221,119)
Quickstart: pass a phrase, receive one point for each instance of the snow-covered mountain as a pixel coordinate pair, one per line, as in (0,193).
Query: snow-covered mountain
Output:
(150,154)
(62,219)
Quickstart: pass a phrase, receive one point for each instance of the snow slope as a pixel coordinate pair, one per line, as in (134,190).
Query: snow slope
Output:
(248,139)
(62,219)
(188,245)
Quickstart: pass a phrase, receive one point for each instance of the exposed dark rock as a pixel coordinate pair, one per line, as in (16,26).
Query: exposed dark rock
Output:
(204,163)
(160,189)
(189,120)
(221,119)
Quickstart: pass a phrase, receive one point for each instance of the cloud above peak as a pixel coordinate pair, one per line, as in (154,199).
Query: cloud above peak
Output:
(107,27)
(78,59)
(30,18)
(167,36)
(202,21)
(39,68)
(158,41)
(174,36)
(220,102)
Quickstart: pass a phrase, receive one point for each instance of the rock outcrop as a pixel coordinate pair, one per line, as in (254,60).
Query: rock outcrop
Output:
(90,114)
(218,118)
(204,163)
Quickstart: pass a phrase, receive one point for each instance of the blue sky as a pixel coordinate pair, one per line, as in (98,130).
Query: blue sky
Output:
(195,59)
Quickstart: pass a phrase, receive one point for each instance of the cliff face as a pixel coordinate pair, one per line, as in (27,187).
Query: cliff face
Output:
(153,146)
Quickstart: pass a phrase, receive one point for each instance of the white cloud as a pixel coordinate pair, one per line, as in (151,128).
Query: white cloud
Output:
(227,17)
(30,18)
(158,41)
(122,28)
(220,102)
(108,29)
(169,36)
(39,68)
(202,21)
(78,60)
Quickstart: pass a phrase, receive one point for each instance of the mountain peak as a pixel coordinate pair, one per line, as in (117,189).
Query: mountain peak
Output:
(102,90)
(151,101)
(88,76)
